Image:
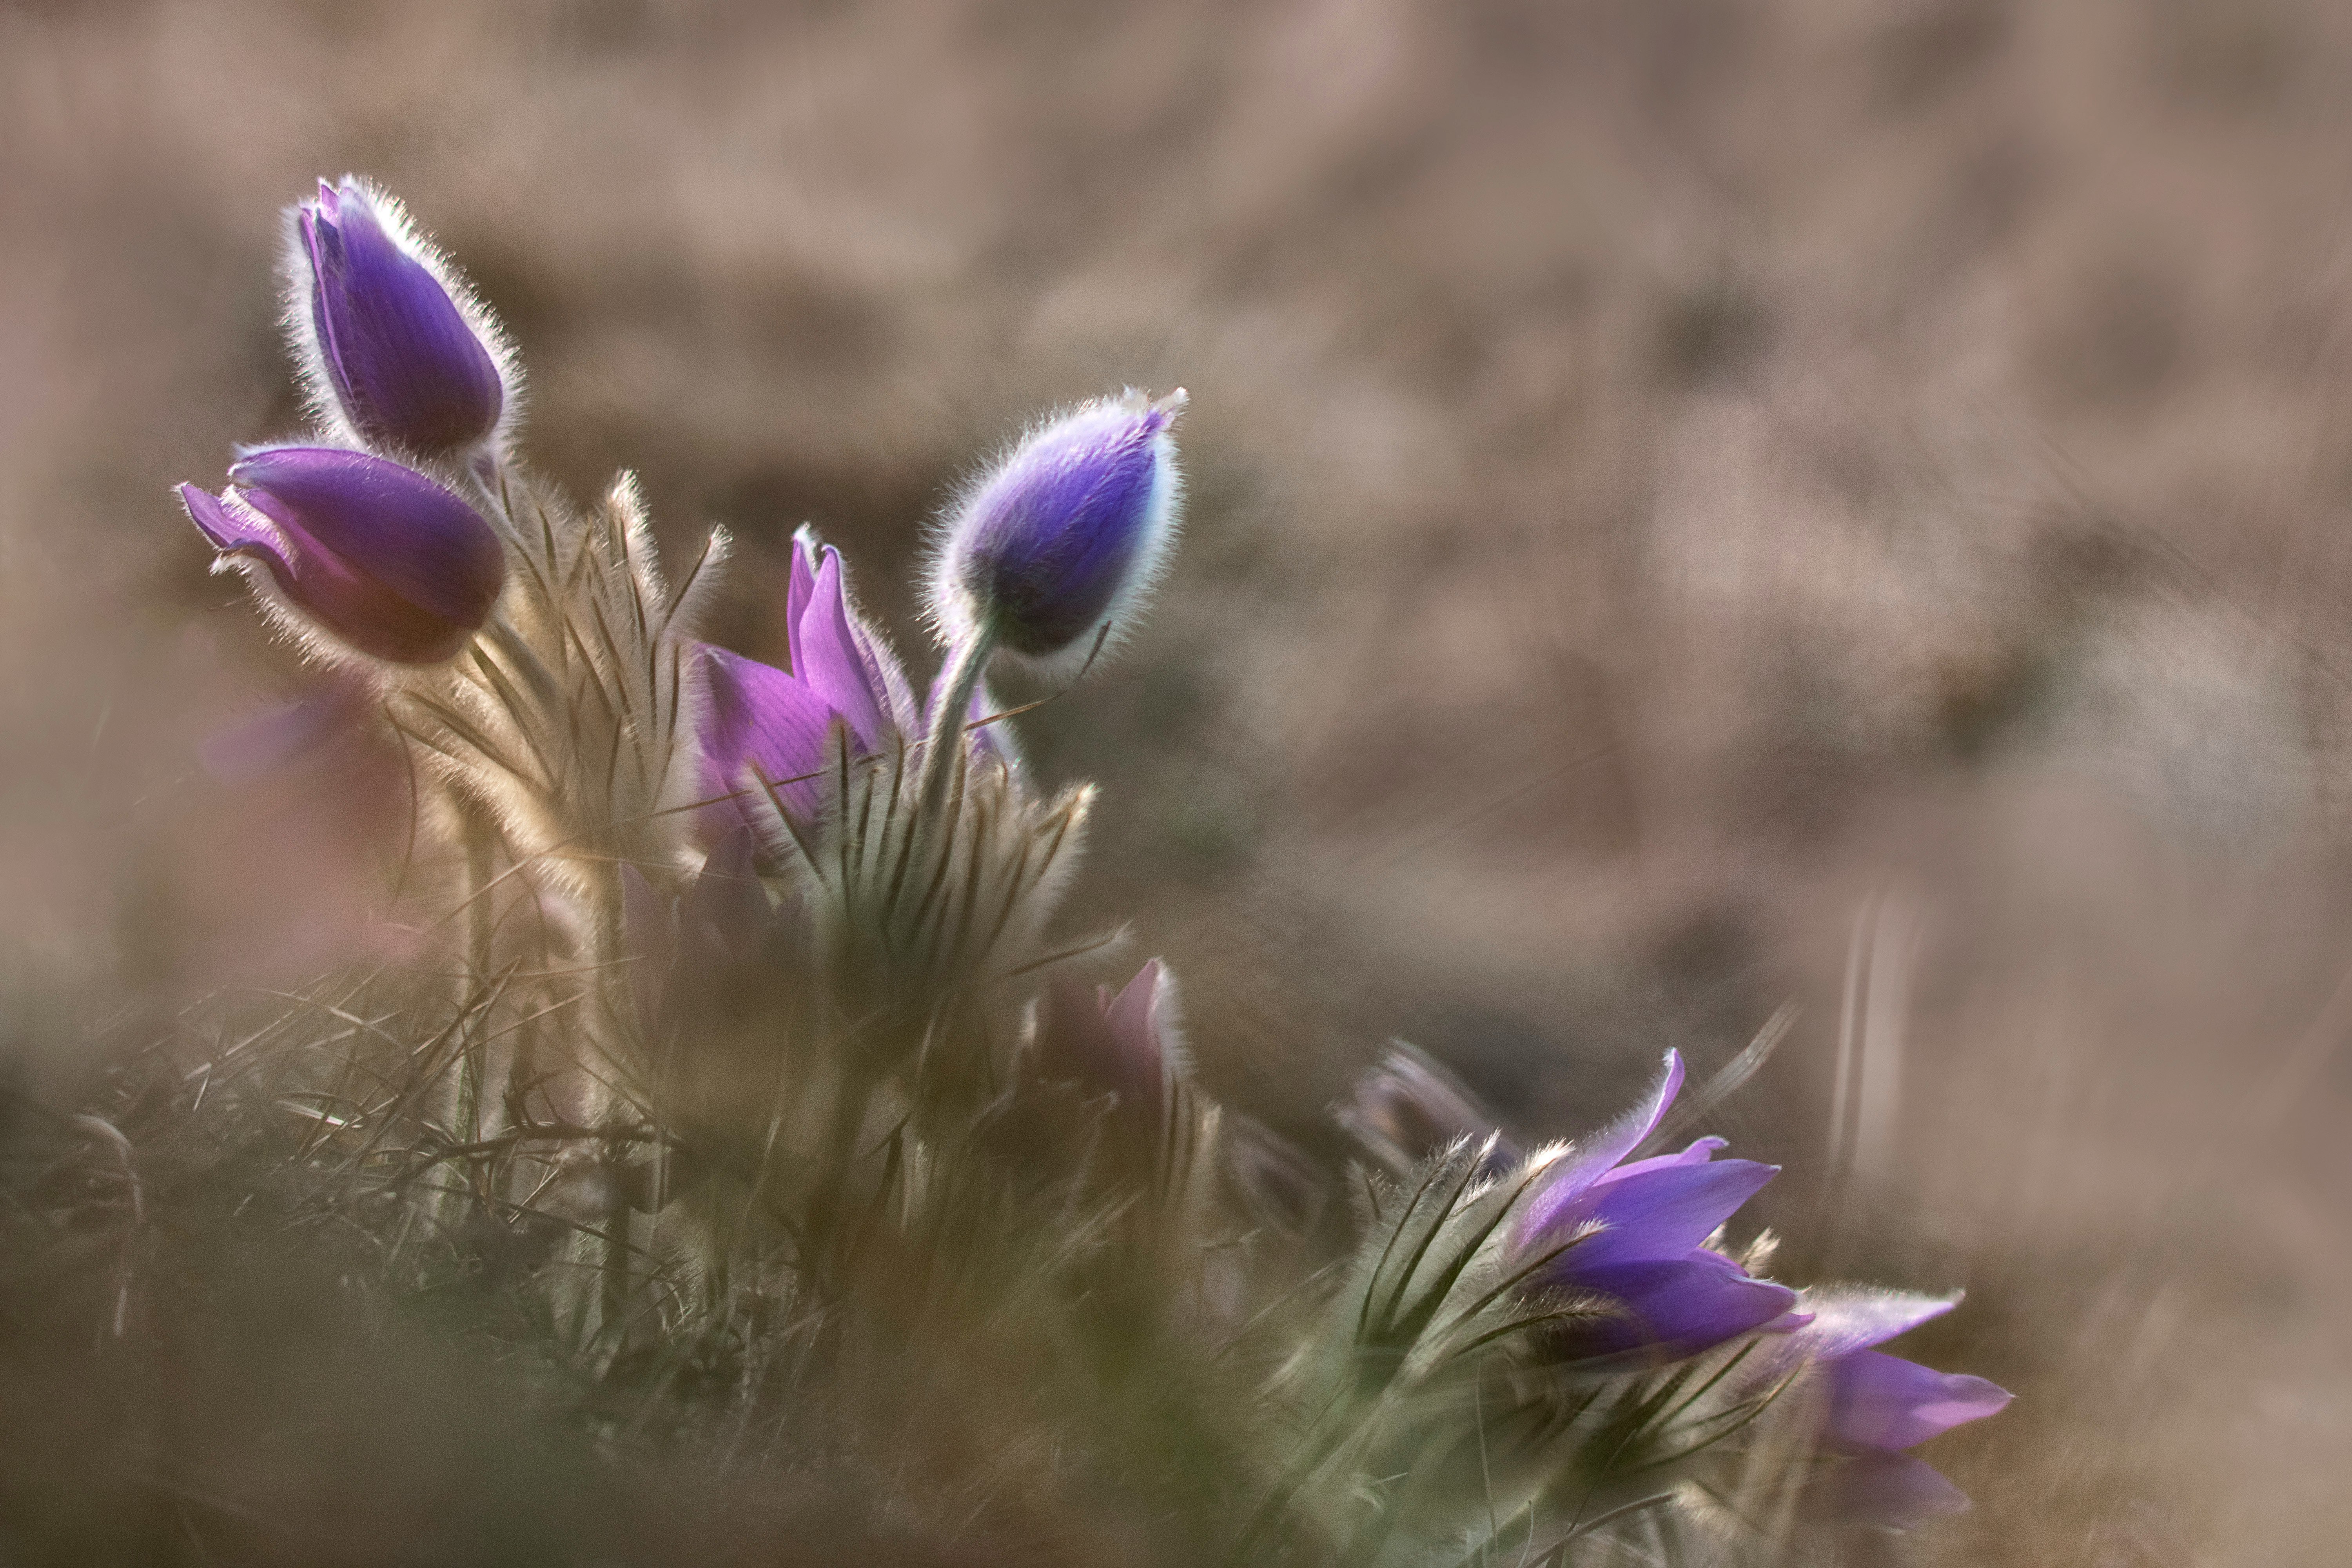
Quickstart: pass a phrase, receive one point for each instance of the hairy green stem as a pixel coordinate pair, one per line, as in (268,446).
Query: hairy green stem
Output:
(951,699)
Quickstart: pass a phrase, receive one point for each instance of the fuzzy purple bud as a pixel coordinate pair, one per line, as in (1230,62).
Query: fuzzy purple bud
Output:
(1064,535)
(1120,1045)
(407,367)
(379,556)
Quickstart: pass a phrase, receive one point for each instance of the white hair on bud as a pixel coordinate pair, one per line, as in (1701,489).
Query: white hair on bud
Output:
(319,399)
(947,606)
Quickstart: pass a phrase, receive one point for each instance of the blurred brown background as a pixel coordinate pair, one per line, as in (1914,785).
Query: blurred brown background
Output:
(1672,479)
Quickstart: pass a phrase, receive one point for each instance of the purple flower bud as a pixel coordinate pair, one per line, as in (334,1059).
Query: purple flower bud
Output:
(1633,1237)
(377,554)
(406,361)
(1121,1045)
(1064,535)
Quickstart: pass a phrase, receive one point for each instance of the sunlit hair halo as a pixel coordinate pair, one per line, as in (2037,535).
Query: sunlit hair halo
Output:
(751,1041)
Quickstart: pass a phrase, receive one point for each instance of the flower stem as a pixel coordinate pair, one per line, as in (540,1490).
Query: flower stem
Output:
(951,699)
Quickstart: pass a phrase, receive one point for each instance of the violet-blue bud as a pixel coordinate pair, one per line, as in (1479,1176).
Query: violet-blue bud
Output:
(375,555)
(393,340)
(1064,535)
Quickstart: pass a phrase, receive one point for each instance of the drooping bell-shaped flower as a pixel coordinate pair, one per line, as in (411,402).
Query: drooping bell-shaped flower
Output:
(1872,1405)
(373,553)
(1064,535)
(1632,1237)
(391,340)
(772,728)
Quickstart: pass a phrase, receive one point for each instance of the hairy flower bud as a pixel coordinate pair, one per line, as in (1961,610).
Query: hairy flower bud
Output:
(1122,1044)
(375,555)
(1062,538)
(388,338)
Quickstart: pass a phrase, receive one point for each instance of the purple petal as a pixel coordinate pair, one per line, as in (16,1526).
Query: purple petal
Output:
(760,719)
(1660,1213)
(406,364)
(1568,1178)
(1134,1017)
(415,584)
(1675,1308)
(1698,1154)
(1105,1043)
(827,660)
(387,521)
(1883,1491)
(887,677)
(1851,1318)
(235,529)
(800,587)
(1882,1402)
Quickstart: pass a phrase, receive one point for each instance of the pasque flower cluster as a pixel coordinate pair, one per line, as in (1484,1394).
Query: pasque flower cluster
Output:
(884,840)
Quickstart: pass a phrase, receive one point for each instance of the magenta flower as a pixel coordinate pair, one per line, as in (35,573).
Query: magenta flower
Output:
(771,725)
(375,555)
(406,365)
(1875,1405)
(1060,538)
(1634,1237)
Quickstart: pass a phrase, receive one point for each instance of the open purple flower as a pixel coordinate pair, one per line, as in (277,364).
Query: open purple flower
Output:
(405,360)
(377,556)
(1120,1045)
(1873,1406)
(772,725)
(1633,1237)
(1060,538)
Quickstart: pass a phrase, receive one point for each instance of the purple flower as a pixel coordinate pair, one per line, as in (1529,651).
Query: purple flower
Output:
(1634,1237)
(1873,1406)
(774,725)
(404,360)
(1061,537)
(1121,1045)
(377,554)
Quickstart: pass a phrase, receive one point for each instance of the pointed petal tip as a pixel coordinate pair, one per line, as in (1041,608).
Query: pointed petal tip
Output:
(211,515)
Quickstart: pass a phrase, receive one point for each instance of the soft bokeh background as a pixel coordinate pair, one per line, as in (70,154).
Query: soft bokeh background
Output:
(1675,483)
